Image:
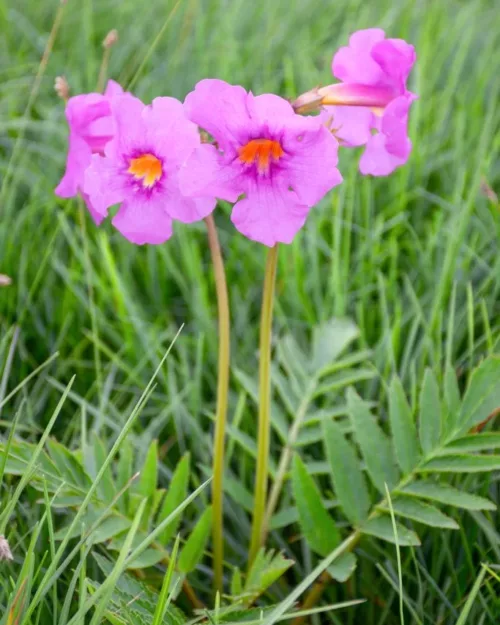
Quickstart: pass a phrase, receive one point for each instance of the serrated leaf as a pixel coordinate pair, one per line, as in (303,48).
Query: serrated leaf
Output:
(463,463)
(133,601)
(149,471)
(381,527)
(149,557)
(374,444)
(176,494)
(475,442)
(236,583)
(343,567)
(330,339)
(318,527)
(106,488)
(347,478)
(403,427)
(452,399)
(340,379)
(430,413)
(267,567)
(422,513)
(195,546)
(111,526)
(448,495)
(67,464)
(483,394)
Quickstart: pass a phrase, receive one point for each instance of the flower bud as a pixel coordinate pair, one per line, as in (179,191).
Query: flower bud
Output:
(110,39)
(61,87)
(5,552)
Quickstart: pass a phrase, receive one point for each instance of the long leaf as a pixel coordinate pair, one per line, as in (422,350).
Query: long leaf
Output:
(403,427)
(375,446)
(464,463)
(430,413)
(475,442)
(176,494)
(381,527)
(194,549)
(423,513)
(345,471)
(483,394)
(318,527)
(447,495)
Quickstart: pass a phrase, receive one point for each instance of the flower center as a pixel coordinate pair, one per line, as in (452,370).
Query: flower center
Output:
(146,168)
(262,152)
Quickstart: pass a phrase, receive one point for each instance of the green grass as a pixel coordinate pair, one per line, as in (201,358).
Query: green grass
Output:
(412,260)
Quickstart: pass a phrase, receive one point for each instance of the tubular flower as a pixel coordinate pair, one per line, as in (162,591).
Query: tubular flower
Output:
(140,167)
(370,106)
(281,163)
(91,127)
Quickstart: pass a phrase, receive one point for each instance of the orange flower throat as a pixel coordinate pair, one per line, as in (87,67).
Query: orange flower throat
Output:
(262,152)
(146,168)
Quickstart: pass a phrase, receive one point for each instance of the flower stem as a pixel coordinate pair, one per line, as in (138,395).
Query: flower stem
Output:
(222,396)
(266,323)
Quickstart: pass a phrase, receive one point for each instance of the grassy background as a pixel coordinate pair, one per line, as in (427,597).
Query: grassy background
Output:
(411,259)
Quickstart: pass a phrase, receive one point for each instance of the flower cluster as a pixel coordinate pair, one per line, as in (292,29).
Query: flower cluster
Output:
(264,156)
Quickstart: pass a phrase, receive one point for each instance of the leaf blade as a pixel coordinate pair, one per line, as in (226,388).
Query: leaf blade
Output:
(374,444)
(447,495)
(318,527)
(345,472)
(403,427)
(430,413)
(422,513)
(463,463)
(381,527)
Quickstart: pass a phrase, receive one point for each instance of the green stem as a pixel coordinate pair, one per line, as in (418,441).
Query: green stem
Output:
(222,395)
(264,404)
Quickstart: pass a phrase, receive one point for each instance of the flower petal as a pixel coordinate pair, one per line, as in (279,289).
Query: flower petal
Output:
(185,209)
(310,165)
(220,109)
(354,62)
(113,89)
(206,175)
(269,110)
(97,218)
(377,160)
(394,126)
(78,159)
(269,214)
(170,131)
(350,124)
(142,220)
(131,130)
(103,184)
(396,58)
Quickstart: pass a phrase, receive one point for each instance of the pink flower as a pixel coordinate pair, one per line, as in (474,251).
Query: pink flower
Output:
(91,127)
(140,170)
(373,71)
(281,162)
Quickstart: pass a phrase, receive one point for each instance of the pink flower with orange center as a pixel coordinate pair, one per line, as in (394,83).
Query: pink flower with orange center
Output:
(139,170)
(273,163)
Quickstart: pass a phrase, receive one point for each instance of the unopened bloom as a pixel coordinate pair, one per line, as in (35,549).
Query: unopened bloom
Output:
(280,162)
(139,170)
(373,71)
(5,552)
(91,127)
